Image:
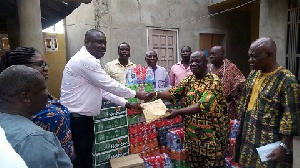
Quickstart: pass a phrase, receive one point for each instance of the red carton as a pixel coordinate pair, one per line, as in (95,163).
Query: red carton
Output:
(143,146)
(175,138)
(150,153)
(132,112)
(157,161)
(140,127)
(179,155)
(168,122)
(143,136)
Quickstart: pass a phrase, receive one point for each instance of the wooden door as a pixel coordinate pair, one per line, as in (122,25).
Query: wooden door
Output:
(207,41)
(164,43)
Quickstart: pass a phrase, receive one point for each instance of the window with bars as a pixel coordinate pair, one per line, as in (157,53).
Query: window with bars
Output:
(293,38)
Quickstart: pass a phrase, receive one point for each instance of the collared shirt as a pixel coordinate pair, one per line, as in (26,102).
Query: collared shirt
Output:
(161,77)
(178,72)
(273,113)
(206,132)
(84,83)
(117,71)
(37,147)
(232,80)
(56,118)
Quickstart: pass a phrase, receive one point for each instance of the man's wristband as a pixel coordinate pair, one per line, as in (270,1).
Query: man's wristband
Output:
(288,151)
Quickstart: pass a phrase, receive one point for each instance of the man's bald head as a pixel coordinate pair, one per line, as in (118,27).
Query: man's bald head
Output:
(151,58)
(150,52)
(198,64)
(217,55)
(218,48)
(200,54)
(262,55)
(265,44)
(90,34)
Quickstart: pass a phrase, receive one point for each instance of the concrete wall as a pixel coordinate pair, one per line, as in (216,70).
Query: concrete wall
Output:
(255,11)
(128,21)
(273,24)
(29,13)
(76,24)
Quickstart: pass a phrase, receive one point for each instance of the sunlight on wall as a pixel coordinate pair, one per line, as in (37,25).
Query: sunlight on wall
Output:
(57,28)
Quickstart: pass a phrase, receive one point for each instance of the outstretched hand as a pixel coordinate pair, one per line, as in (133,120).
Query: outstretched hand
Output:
(173,113)
(141,95)
(151,95)
(145,96)
(135,107)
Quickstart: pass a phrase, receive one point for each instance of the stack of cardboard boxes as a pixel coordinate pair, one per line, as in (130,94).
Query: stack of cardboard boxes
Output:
(142,136)
(111,134)
(175,148)
(131,161)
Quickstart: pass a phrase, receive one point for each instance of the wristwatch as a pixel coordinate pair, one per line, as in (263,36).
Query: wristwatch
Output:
(288,151)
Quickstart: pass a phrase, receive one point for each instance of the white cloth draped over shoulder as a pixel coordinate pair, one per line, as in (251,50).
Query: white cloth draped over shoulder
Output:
(8,156)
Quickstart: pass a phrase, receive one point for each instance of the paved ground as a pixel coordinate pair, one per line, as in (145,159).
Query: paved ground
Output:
(296,152)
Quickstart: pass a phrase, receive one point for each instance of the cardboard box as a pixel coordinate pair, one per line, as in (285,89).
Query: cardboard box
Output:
(180,164)
(135,119)
(99,158)
(142,87)
(162,131)
(143,136)
(111,134)
(130,161)
(107,103)
(132,112)
(102,165)
(137,128)
(143,146)
(168,122)
(111,144)
(109,123)
(111,112)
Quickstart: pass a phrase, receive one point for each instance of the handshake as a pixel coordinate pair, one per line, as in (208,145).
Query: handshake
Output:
(142,96)
(146,96)
(150,96)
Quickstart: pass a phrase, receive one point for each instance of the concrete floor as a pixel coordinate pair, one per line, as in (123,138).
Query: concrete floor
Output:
(296,152)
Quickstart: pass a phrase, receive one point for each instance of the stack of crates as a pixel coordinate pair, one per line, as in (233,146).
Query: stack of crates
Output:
(142,136)
(111,134)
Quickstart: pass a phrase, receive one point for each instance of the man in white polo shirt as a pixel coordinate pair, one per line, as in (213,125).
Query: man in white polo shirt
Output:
(84,84)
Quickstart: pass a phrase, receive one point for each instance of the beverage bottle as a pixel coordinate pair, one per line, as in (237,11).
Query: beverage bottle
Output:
(234,129)
(150,76)
(131,77)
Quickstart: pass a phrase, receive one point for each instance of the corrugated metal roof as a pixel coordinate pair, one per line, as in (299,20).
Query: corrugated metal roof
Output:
(52,11)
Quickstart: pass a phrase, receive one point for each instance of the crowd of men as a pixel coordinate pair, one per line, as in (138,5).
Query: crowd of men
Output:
(47,132)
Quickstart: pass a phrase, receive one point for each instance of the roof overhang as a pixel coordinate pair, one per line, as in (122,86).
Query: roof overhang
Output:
(52,11)
(218,5)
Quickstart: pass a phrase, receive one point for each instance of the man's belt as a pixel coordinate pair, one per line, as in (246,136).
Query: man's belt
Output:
(79,115)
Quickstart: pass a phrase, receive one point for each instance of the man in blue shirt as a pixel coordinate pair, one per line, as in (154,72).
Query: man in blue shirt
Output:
(23,93)
(162,80)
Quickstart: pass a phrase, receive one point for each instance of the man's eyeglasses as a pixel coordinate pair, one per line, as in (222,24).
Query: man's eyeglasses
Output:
(41,64)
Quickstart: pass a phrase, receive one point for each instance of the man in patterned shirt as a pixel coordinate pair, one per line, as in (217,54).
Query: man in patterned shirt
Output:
(205,116)
(116,69)
(232,79)
(269,108)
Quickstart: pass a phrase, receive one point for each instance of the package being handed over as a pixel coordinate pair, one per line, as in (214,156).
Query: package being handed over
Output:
(154,110)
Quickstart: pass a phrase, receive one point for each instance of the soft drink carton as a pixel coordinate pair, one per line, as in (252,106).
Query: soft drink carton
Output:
(168,162)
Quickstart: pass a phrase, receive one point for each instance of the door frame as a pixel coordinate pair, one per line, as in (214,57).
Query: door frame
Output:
(177,39)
